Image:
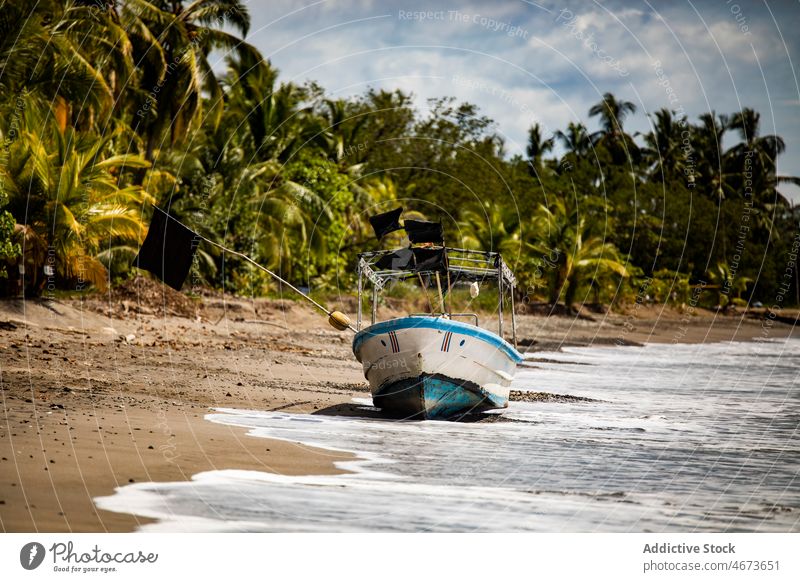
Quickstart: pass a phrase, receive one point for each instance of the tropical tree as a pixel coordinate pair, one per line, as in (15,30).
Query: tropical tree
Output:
(728,286)
(172,44)
(492,226)
(273,113)
(758,155)
(343,125)
(578,257)
(612,113)
(663,153)
(576,139)
(713,168)
(390,117)
(70,191)
(537,147)
(289,175)
(47,62)
(9,249)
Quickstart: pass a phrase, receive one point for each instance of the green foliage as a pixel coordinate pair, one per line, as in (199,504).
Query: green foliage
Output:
(107,107)
(323,193)
(69,186)
(579,259)
(9,250)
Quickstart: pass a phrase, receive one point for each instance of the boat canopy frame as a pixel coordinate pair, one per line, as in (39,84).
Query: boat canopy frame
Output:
(459,265)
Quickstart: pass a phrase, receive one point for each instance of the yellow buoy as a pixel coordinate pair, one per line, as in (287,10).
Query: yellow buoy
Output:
(339,320)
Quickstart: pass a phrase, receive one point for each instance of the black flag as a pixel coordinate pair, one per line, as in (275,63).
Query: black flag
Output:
(387,222)
(167,250)
(429,260)
(422,231)
(415,260)
(399,260)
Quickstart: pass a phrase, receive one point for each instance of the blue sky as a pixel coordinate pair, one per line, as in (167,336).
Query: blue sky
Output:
(548,62)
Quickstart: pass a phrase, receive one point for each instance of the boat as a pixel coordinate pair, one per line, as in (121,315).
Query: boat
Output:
(422,366)
(440,365)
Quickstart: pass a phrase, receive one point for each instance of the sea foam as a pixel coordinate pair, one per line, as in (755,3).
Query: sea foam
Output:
(685,438)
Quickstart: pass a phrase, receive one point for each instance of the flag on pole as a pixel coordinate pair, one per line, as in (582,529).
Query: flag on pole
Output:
(416,260)
(422,231)
(387,222)
(168,249)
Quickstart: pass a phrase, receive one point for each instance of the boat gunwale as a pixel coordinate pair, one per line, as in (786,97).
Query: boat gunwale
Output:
(439,323)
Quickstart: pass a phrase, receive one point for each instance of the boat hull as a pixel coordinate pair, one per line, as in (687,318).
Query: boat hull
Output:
(434,396)
(435,368)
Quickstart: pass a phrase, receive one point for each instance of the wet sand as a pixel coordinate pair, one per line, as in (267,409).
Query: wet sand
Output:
(99,393)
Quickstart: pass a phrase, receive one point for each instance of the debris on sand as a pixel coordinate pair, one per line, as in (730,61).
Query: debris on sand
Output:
(144,296)
(523,396)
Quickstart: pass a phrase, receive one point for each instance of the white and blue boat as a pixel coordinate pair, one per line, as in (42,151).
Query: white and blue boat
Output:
(435,366)
(423,366)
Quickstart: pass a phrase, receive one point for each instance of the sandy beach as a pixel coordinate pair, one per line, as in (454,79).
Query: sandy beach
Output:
(104,391)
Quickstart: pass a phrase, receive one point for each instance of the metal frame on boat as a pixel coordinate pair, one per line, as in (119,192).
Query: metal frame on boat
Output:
(430,366)
(462,264)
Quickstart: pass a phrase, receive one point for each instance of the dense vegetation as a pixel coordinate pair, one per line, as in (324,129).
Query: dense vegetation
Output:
(107,106)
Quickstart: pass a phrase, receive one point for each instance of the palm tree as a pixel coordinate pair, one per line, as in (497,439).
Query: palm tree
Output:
(663,152)
(768,147)
(761,154)
(77,204)
(291,225)
(172,44)
(713,167)
(492,226)
(45,59)
(578,145)
(576,140)
(273,113)
(536,148)
(728,285)
(578,257)
(9,248)
(342,131)
(612,113)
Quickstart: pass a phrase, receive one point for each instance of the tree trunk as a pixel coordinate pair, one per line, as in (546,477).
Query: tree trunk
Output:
(61,113)
(555,293)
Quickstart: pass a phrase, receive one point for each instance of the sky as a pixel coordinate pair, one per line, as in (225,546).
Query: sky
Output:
(546,62)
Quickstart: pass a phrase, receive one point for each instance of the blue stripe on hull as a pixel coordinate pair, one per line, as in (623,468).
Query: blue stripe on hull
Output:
(434,396)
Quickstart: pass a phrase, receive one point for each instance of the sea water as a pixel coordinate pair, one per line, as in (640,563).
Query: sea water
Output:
(680,438)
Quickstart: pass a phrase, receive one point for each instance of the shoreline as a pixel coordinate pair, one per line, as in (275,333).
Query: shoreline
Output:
(96,395)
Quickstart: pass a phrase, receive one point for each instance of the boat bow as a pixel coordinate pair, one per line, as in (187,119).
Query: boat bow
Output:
(434,367)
